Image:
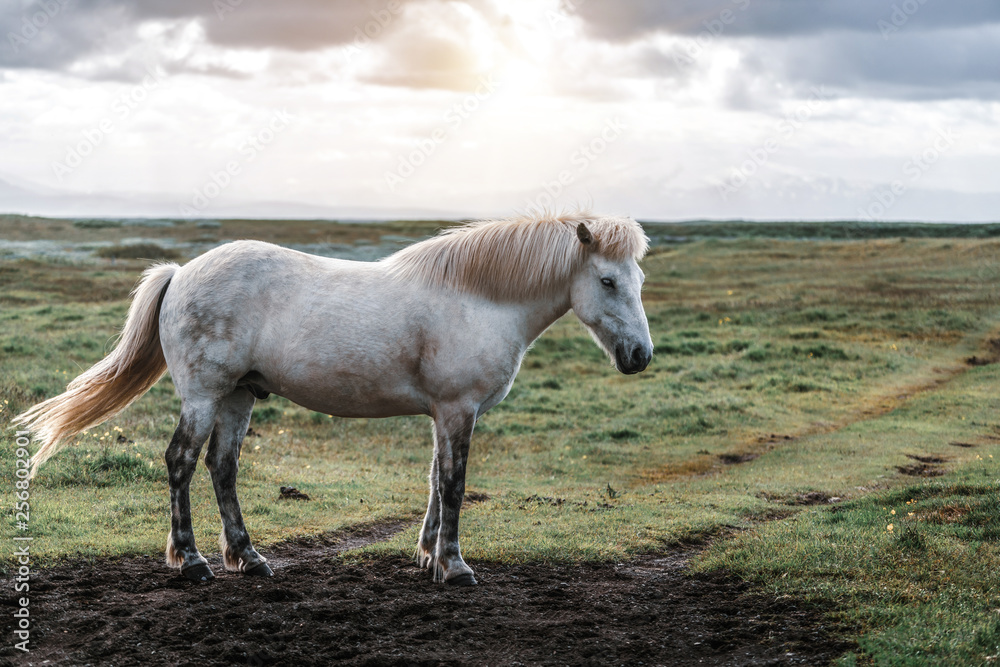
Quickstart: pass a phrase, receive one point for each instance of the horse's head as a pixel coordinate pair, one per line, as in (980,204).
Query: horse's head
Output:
(606,296)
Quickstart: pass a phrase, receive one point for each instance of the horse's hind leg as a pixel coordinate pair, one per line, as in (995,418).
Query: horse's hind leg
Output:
(222,460)
(196,422)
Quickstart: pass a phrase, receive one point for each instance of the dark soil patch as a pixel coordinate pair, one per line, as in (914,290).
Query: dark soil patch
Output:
(963,444)
(472,498)
(991,356)
(291,493)
(807,498)
(768,514)
(920,470)
(320,610)
(927,459)
(733,458)
(545,500)
(948,514)
(774,438)
(813,498)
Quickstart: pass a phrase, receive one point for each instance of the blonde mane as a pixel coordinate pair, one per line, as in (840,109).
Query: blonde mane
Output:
(516,258)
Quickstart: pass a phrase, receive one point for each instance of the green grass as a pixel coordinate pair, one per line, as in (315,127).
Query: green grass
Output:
(784,371)
(914,565)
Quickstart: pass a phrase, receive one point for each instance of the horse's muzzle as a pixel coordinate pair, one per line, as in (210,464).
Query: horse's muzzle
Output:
(632,360)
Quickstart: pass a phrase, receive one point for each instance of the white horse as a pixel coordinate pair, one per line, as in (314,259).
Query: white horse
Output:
(437,329)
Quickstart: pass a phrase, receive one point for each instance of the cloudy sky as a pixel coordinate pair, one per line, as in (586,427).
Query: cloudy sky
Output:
(667,109)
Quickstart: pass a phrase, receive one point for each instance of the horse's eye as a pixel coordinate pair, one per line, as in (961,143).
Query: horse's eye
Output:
(608,282)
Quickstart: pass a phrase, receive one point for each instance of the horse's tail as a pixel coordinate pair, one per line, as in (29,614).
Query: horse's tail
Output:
(110,385)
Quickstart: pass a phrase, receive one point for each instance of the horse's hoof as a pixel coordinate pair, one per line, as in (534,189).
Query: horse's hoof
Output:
(259,570)
(198,573)
(464,579)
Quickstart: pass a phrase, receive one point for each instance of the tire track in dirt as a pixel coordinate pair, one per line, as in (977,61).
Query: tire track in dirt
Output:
(294,551)
(290,553)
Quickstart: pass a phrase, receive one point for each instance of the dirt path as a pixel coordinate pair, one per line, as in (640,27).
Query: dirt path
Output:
(988,353)
(317,610)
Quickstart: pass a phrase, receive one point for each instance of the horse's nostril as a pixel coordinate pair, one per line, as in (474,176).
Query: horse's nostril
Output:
(639,358)
(631,359)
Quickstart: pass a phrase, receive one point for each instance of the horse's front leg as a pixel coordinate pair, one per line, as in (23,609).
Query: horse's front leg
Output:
(427,543)
(452,431)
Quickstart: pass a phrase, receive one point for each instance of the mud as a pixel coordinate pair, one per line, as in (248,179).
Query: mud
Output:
(920,470)
(319,609)
(733,458)
(990,355)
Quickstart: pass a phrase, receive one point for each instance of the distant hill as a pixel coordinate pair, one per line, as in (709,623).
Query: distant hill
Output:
(667,232)
(42,201)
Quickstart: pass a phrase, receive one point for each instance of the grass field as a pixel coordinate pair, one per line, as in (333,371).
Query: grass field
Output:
(822,414)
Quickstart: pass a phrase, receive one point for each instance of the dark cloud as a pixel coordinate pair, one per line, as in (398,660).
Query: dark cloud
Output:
(625,20)
(944,64)
(900,49)
(75,29)
(55,37)
(299,25)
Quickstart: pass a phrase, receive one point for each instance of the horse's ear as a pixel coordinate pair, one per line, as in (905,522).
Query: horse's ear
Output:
(582,233)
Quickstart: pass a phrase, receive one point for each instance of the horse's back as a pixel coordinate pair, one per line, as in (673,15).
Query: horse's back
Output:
(341,337)
(303,325)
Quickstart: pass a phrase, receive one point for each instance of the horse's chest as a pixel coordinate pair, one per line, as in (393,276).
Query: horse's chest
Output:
(496,397)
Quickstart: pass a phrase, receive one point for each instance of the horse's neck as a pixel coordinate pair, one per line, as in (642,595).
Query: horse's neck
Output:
(540,315)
